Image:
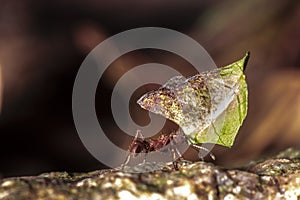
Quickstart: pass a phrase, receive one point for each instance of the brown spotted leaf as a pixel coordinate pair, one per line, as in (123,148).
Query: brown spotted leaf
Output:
(209,107)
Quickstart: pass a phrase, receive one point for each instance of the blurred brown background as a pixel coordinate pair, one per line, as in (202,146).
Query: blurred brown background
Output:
(42,45)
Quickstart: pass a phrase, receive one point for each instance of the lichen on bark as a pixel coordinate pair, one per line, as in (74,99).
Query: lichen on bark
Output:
(275,177)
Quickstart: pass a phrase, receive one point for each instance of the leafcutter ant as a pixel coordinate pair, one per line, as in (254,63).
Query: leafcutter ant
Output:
(143,145)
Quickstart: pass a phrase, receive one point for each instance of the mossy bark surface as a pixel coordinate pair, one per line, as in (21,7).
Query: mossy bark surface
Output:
(273,178)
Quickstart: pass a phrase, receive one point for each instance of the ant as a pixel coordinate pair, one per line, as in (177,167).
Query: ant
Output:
(142,145)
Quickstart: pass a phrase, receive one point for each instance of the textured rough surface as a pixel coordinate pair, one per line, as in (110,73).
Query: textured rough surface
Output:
(273,178)
(209,107)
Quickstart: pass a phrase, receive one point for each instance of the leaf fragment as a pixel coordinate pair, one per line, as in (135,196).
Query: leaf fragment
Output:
(209,107)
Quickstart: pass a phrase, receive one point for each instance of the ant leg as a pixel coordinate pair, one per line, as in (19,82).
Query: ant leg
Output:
(128,157)
(199,148)
(175,152)
(130,154)
(141,136)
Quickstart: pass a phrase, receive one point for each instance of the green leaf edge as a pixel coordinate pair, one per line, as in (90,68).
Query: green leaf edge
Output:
(229,128)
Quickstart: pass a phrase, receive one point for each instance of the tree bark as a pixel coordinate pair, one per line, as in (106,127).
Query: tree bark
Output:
(272,178)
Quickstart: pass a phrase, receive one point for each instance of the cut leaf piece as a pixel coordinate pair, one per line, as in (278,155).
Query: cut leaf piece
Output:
(209,107)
